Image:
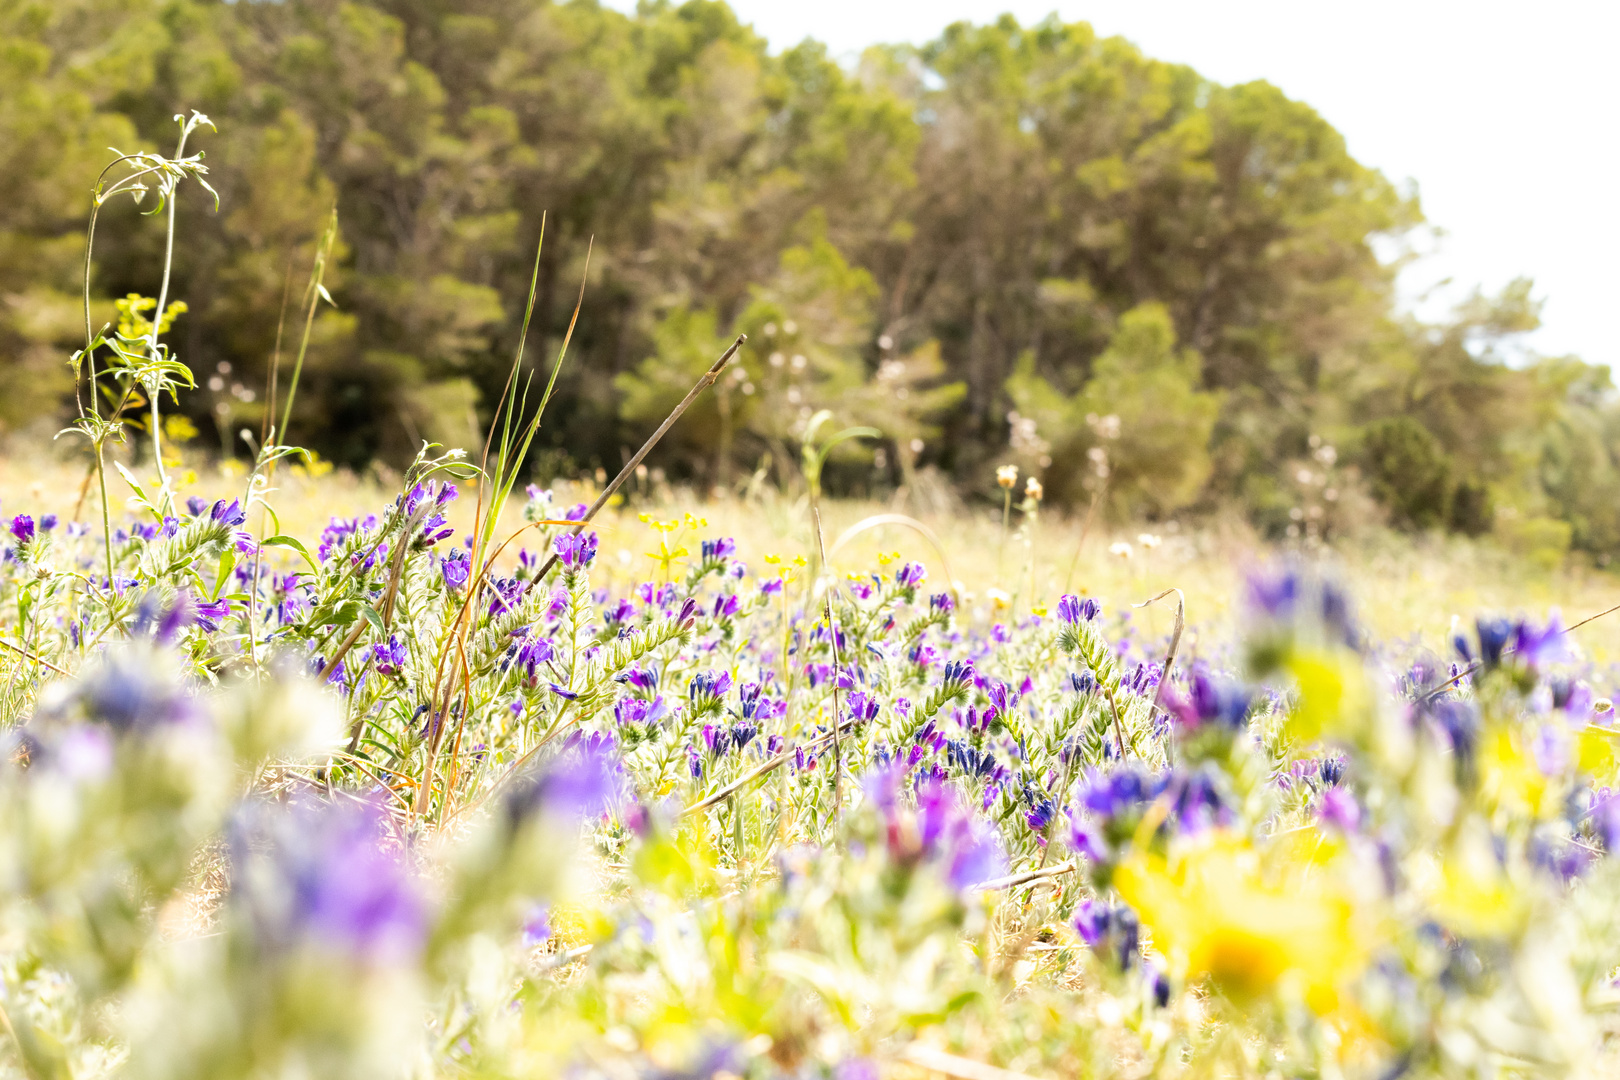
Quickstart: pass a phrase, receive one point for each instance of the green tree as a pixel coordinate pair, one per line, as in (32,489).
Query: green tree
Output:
(1141,421)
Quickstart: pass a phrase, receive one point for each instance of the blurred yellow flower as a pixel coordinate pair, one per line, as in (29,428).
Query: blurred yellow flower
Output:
(1333,695)
(1212,914)
(1468,889)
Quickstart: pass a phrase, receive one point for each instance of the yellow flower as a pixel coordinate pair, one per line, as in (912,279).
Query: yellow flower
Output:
(1468,889)
(1007,475)
(1213,915)
(1333,698)
(1510,777)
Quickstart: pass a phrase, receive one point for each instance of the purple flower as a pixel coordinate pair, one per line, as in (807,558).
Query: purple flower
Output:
(317,874)
(533,652)
(862,707)
(719,550)
(911,575)
(22,527)
(209,615)
(942,603)
(1533,647)
(125,692)
(707,688)
(641,678)
(434,529)
(942,830)
(1275,594)
(389,657)
(967,845)
(228,513)
(47,522)
(537,927)
(456,568)
(1003,698)
(583,782)
(575,549)
(507,595)
(196,505)
(1071,609)
(1111,930)
(631,711)
(1340,809)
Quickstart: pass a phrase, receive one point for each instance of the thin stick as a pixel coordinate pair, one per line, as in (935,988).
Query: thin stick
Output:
(770,765)
(960,1068)
(706,381)
(1175,638)
(36,659)
(1014,880)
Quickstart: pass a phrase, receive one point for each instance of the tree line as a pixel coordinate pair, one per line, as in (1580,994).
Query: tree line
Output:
(1013,244)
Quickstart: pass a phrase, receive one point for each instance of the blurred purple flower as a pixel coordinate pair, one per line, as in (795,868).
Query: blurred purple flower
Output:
(317,875)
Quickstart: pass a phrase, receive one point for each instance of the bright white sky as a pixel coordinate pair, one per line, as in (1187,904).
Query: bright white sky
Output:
(1503,114)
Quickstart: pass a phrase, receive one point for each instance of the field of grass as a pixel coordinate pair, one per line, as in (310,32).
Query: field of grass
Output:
(1410,592)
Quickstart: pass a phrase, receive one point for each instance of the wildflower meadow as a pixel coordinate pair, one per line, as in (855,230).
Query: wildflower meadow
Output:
(456,784)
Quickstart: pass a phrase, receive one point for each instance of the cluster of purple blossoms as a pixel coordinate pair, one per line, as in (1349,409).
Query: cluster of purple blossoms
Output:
(1531,646)
(707,690)
(456,568)
(1110,805)
(581,783)
(1211,700)
(718,551)
(575,549)
(389,657)
(1072,609)
(911,576)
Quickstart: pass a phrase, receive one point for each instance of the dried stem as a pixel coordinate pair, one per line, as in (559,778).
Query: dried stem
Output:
(707,380)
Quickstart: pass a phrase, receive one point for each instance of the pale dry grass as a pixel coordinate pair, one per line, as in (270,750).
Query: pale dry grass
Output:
(1407,590)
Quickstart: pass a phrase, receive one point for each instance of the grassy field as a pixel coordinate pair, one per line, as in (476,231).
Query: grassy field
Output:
(1410,591)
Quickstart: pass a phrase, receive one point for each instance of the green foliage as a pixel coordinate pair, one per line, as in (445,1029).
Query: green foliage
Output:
(1140,422)
(1409,472)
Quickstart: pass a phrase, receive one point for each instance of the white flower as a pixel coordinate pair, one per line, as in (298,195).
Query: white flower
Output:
(1148,540)
(1120,548)
(1007,475)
